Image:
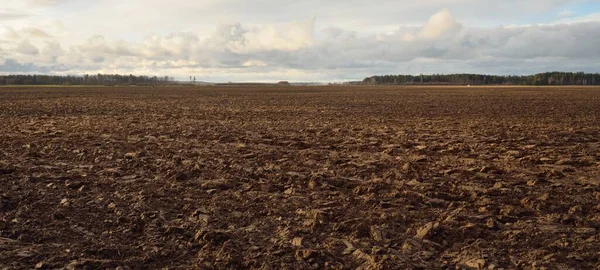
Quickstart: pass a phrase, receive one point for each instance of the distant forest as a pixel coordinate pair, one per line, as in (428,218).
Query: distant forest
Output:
(549,78)
(98,79)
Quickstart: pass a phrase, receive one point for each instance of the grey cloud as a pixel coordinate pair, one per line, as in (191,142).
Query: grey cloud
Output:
(441,45)
(98,59)
(13,66)
(25,47)
(338,50)
(521,46)
(52,51)
(569,41)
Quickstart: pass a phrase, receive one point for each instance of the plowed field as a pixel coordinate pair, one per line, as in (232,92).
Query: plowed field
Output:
(280,177)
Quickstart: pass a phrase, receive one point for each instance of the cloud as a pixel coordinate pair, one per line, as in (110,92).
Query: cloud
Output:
(441,23)
(175,44)
(25,47)
(10,14)
(52,50)
(243,40)
(593,17)
(34,32)
(566,13)
(97,49)
(309,50)
(254,63)
(46,2)
(8,33)
(13,66)
(575,41)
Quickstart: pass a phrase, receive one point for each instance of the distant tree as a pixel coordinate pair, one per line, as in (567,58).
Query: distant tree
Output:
(98,79)
(549,78)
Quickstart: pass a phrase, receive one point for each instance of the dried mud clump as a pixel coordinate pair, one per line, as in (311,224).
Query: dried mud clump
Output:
(300,178)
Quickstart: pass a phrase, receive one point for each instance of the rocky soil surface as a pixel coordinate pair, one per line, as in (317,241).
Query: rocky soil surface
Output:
(300,178)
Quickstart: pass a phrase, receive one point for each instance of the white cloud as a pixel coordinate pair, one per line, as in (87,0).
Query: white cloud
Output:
(8,33)
(254,63)
(295,36)
(8,14)
(46,2)
(442,23)
(175,44)
(33,32)
(239,39)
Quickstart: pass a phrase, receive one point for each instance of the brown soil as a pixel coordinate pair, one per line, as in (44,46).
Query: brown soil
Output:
(300,177)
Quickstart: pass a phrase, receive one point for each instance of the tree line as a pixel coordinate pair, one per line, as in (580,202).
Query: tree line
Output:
(97,79)
(548,78)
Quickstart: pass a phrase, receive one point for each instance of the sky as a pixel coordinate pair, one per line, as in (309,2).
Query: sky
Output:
(298,41)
